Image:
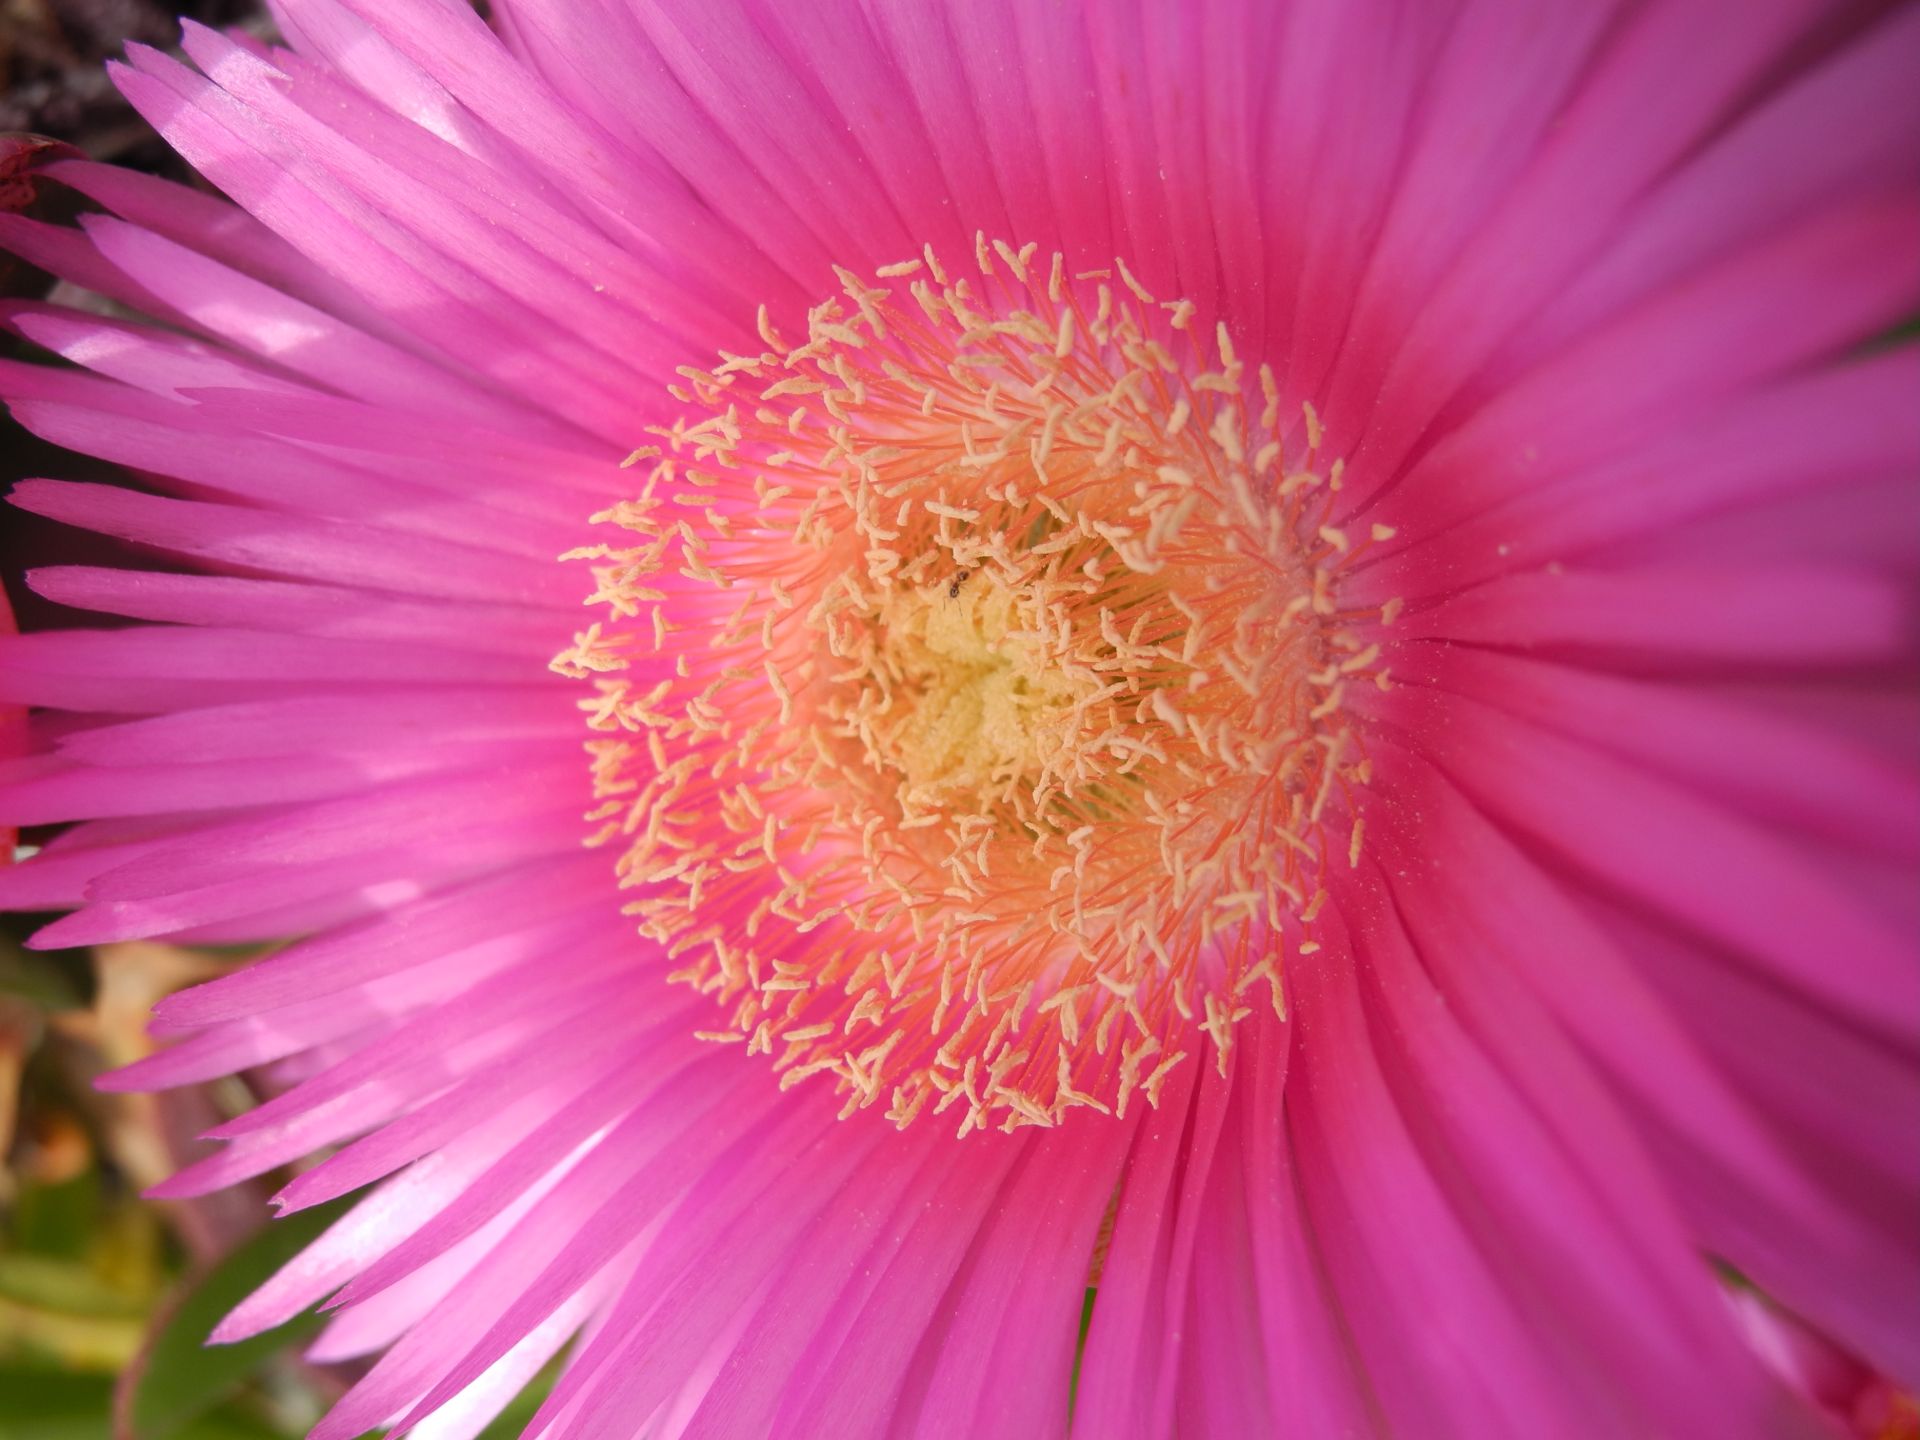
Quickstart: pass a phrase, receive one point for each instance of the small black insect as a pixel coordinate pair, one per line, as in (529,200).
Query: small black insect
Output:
(959,579)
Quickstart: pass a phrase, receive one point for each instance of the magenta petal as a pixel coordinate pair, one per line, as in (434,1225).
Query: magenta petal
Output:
(1133,1347)
(1444,1343)
(1726,881)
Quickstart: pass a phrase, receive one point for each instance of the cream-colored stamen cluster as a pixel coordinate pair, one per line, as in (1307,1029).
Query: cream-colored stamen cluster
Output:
(969,706)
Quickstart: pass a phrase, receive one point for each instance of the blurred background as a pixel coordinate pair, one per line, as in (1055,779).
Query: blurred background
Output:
(105,1297)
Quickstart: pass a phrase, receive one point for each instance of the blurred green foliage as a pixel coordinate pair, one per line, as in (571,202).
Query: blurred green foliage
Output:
(106,1298)
(91,1276)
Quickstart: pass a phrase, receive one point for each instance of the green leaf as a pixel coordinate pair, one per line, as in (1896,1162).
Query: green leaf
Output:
(64,1286)
(228,1424)
(181,1377)
(1080,1348)
(49,1405)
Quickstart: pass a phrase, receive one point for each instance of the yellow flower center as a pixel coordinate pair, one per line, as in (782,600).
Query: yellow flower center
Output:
(969,710)
(959,698)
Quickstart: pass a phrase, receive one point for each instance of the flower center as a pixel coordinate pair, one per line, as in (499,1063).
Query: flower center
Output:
(969,704)
(959,699)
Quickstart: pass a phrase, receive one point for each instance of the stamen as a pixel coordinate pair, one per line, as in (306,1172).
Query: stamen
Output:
(969,706)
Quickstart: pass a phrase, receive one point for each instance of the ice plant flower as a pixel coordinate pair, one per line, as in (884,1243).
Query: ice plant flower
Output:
(1253,661)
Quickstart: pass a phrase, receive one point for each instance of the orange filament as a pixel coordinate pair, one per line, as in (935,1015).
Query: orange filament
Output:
(968,705)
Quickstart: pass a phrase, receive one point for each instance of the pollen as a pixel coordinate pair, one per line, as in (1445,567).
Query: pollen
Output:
(970,714)
(965,698)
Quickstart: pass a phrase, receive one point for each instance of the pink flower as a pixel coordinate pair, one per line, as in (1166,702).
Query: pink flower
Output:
(1352,733)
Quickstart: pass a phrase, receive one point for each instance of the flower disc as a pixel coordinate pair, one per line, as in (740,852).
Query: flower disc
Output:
(970,699)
